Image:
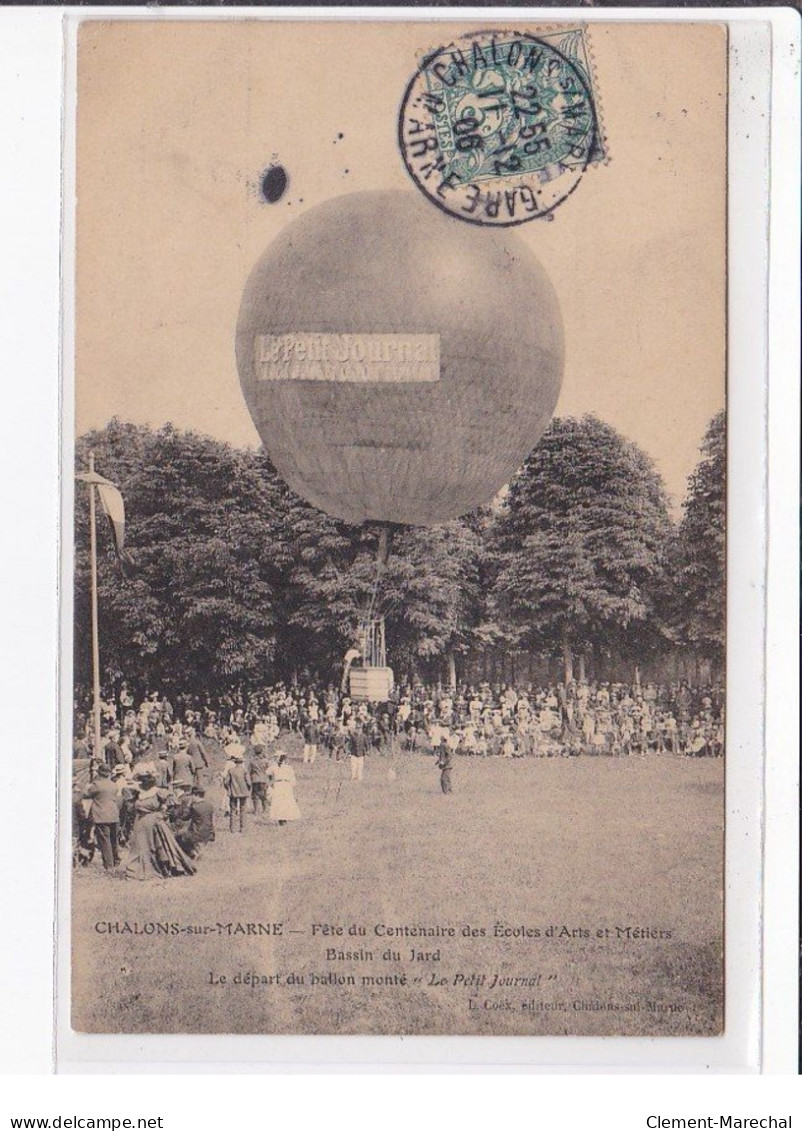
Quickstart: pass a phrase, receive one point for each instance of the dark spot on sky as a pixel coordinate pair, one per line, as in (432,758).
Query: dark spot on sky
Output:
(274,183)
(345,170)
(339,137)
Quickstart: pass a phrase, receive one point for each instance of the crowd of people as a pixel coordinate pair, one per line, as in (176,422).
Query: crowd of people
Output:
(157,803)
(149,787)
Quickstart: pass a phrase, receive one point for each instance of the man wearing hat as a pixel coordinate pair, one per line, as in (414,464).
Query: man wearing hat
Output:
(126,792)
(311,735)
(359,748)
(112,751)
(201,820)
(201,824)
(164,774)
(445,762)
(183,768)
(105,815)
(259,771)
(198,755)
(193,821)
(237,783)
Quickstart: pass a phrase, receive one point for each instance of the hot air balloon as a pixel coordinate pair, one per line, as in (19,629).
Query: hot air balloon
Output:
(399,365)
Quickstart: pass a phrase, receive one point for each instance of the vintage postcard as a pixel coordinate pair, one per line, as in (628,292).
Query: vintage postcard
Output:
(399,543)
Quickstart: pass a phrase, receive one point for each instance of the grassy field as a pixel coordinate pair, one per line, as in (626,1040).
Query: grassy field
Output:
(612,866)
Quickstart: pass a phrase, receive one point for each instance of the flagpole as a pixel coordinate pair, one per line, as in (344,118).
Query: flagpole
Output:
(95,642)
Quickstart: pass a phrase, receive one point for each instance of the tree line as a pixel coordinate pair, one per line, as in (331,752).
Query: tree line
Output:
(235,581)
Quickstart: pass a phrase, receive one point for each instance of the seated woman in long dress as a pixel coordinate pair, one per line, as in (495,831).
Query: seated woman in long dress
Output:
(154,849)
(283,806)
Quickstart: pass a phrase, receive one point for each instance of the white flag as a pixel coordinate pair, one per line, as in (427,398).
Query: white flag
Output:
(111,502)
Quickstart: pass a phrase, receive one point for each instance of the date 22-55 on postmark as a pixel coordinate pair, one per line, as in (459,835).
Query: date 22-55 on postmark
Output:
(499,127)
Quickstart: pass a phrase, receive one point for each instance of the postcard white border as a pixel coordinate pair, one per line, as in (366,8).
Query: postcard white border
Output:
(739,1049)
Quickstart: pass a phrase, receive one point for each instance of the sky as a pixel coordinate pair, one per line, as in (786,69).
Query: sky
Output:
(178,121)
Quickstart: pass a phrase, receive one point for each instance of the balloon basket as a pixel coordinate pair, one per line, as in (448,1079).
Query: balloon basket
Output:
(372,685)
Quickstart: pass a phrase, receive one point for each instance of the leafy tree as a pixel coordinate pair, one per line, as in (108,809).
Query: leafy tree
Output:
(236,580)
(432,593)
(701,552)
(580,545)
(328,582)
(494,633)
(198,608)
(427,591)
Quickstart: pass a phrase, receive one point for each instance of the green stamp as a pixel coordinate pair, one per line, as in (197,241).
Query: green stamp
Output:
(500,127)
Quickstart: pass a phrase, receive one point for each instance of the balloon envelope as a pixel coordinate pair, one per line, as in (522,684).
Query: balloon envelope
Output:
(399,365)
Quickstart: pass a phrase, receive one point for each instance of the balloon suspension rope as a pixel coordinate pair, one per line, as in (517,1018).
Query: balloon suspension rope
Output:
(385,548)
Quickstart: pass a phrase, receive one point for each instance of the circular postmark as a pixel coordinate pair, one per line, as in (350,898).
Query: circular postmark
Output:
(499,127)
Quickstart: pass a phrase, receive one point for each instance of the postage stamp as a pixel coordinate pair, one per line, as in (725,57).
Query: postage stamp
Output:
(499,127)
